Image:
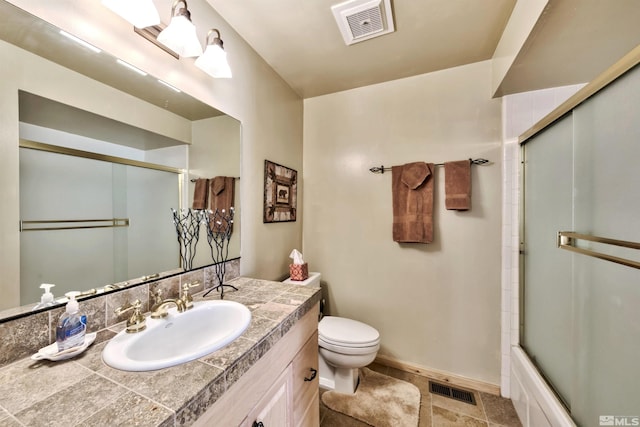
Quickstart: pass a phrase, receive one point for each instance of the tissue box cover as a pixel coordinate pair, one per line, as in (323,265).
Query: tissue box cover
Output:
(299,272)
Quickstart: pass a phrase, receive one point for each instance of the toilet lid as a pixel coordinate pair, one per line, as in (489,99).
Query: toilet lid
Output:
(347,332)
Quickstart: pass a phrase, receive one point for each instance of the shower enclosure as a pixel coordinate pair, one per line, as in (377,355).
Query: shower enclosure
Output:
(580,295)
(87,223)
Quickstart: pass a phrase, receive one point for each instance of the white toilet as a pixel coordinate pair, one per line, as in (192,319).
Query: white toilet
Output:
(345,346)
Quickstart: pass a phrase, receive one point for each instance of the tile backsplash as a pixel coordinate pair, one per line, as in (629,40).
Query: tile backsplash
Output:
(20,338)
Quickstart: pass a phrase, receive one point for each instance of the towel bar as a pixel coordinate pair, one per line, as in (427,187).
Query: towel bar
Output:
(382,169)
(566,239)
(112,222)
(194,179)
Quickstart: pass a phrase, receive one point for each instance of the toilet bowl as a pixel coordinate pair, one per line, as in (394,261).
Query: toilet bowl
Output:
(345,345)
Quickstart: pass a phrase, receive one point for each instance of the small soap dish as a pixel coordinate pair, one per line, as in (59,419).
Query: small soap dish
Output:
(51,352)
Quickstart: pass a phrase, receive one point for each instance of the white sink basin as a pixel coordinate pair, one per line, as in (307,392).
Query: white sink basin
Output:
(179,337)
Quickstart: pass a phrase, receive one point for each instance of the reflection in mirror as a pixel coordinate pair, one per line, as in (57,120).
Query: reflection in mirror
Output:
(109,223)
(77,99)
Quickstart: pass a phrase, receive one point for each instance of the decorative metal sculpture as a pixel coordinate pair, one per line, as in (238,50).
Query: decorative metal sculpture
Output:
(187,222)
(219,229)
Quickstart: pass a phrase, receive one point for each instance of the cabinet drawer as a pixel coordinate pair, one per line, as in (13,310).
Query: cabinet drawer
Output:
(306,378)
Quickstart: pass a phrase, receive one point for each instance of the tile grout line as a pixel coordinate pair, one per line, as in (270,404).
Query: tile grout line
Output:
(461,413)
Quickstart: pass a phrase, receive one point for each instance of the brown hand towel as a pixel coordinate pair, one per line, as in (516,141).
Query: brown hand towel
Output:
(221,193)
(412,193)
(200,193)
(457,185)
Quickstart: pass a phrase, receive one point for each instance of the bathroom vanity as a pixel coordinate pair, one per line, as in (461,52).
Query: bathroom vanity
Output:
(268,375)
(281,389)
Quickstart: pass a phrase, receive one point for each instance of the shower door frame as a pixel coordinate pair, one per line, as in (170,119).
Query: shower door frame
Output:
(627,63)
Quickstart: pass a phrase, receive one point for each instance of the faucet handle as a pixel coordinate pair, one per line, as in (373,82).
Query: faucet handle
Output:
(186,297)
(157,298)
(136,322)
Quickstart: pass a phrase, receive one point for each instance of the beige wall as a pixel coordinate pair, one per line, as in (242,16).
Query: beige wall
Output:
(436,305)
(270,112)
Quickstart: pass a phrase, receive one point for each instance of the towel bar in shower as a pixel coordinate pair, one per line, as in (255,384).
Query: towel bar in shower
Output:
(566,241)
(73,224)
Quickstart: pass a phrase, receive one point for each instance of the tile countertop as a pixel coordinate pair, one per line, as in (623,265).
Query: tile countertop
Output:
(85,391)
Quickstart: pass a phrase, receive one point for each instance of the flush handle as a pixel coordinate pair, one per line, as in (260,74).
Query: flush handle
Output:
(314,373)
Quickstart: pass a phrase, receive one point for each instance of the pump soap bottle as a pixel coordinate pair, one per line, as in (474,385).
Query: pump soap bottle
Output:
(72,325)
(46,300)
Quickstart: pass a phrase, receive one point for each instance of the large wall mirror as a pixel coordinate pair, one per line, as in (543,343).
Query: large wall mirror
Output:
(116,145)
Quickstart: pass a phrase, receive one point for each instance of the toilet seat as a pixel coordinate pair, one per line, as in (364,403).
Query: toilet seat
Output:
(348,334)
(350,351)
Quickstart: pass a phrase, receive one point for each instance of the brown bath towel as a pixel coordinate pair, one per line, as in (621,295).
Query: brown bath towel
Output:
(200,194)
(457,185)
(221,193)
(412,190)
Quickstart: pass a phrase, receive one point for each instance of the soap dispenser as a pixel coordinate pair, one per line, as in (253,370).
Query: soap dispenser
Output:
(46,300)
(72,325)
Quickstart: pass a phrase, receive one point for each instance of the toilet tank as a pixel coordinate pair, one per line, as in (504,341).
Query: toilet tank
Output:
(312,280)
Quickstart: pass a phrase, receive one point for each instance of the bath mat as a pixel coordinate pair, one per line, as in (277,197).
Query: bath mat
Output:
(379,400)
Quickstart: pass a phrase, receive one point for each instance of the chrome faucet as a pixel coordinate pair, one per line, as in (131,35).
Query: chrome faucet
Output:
(161,310)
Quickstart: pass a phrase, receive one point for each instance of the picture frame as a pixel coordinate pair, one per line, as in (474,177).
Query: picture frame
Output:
(280,193)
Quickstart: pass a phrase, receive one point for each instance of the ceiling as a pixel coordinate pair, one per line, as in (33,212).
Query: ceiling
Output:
(573,41)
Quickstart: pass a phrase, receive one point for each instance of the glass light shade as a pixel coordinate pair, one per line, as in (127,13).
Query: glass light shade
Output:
(214,62)
(140,13)
(180,36)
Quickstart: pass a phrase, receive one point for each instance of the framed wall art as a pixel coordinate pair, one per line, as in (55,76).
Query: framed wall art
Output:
(280,193)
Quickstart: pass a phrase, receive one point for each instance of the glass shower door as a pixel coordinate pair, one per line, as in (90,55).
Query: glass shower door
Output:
(113,222)
(607,300)
(548,292)
(60,187)
(580,313)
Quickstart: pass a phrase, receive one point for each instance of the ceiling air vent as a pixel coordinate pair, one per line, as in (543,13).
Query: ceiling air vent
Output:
(361,20)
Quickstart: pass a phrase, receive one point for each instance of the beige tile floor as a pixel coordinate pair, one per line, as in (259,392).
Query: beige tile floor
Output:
(438,411)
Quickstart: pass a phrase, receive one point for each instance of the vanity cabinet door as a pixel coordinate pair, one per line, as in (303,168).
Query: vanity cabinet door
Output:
(306,380)
(274,409)
(265,394)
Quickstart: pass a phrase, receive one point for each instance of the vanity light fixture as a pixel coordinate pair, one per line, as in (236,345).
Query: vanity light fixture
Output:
(80,42)
(131,67)
(180,35)
(214,59)
(140,13)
